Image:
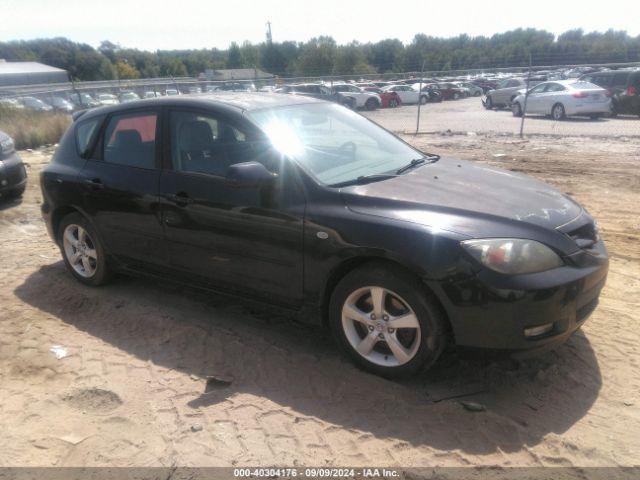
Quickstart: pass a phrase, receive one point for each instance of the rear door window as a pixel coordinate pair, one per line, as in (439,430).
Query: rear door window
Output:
(130,139)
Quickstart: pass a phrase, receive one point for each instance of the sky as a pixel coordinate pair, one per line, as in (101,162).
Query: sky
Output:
(186,24)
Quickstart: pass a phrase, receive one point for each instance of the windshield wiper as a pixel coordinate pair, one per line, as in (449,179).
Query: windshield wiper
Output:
(418,161)
(364,179)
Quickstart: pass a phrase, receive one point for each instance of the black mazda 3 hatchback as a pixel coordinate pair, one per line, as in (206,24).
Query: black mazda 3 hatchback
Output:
(310,206)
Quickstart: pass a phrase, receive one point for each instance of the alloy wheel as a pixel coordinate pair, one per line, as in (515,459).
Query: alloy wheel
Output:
(80,250)
(558,112)
(381,326)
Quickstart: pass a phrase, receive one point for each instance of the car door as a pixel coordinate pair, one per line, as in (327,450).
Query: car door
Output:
(535,98)
(120,188)
(238,239)
(553,93)
(405,93)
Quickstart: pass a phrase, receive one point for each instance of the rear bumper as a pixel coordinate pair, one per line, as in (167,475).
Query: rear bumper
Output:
(589,108)
(503,314)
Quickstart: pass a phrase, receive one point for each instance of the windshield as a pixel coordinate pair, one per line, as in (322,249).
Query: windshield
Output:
(334,144)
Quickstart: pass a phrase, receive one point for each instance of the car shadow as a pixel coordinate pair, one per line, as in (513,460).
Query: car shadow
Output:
(269,355)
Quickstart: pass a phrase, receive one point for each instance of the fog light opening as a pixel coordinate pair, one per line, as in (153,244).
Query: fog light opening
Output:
(538,330)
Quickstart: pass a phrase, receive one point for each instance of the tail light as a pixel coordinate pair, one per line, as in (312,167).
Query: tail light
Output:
(579,95)
(631,90)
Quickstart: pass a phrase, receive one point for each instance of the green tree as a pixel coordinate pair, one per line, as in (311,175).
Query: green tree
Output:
(234,56)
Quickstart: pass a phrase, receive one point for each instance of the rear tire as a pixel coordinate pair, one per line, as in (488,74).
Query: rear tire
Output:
(557,112)
(83,251)
(384,290)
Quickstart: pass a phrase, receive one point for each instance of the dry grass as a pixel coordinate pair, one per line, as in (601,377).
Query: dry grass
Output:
(33,129)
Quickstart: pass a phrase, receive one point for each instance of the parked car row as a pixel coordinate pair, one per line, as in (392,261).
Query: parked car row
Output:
(69,102)
(372,95)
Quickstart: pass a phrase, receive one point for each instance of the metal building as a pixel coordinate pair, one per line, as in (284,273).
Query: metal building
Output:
(30,73)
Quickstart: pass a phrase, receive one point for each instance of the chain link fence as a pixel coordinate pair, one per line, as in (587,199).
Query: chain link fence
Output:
(600,100)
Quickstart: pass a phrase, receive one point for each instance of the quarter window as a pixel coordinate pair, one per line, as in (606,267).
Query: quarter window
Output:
(130,139)
(85,133)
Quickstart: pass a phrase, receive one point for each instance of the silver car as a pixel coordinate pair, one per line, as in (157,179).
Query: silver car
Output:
(474,90)
(564,98)
(504,94)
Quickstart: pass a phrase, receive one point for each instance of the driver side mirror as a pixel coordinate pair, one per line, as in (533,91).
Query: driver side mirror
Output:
(249,174)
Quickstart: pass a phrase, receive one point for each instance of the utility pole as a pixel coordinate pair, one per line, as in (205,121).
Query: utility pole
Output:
(269,38)
(420,98)
(526,96)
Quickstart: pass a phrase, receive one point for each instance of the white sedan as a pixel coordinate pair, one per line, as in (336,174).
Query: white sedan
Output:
(407,93)
(564,98)
(107,99)
(355,97)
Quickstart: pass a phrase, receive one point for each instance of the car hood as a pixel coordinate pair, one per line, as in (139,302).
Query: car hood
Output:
(466,198)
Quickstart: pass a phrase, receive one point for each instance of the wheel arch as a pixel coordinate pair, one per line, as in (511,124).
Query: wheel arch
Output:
(357,261)
(60,213)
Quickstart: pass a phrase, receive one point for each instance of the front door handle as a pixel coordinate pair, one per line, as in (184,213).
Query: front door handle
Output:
(180,198)
(94,183)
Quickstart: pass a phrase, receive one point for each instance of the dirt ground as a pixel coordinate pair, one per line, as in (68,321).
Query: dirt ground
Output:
(131,390)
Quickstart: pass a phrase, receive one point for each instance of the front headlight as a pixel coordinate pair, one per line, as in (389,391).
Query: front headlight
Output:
(512,255)
(6,146)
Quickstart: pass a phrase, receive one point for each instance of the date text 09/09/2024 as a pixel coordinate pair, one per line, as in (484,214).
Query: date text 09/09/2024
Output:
(317,472)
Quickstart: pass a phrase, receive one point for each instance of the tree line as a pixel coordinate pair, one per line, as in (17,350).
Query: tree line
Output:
(323,56)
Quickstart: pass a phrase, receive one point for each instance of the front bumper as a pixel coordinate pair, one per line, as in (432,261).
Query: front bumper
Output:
(13,174)
(493,311)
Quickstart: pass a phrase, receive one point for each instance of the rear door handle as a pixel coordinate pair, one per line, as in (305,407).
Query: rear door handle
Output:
(181,199)
(95,183)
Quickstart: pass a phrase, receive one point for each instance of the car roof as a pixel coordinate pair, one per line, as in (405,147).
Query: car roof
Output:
(240,101)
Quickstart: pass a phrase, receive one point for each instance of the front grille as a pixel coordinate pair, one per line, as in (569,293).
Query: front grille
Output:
(585,236)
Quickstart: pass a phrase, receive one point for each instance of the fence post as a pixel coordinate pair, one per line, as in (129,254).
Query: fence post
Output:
(419,98)
(526,96)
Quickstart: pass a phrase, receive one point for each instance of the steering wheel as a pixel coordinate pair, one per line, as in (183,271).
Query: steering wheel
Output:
(349,149)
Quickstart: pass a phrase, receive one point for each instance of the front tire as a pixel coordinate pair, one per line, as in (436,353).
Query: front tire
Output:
(83,251)
(371,104)
(385,321)
(516,109)
(488,104)
(350,103)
